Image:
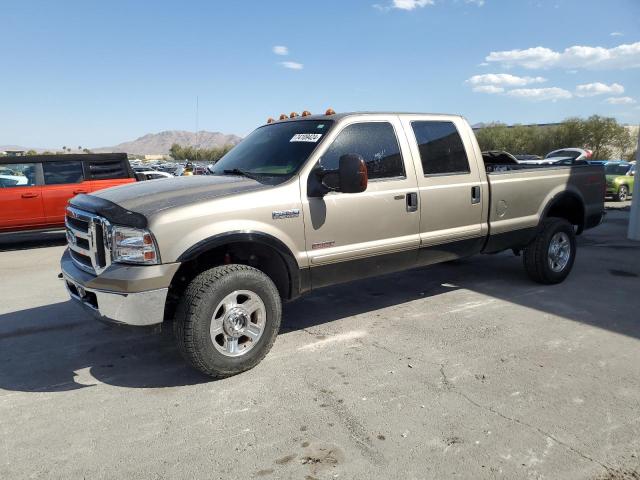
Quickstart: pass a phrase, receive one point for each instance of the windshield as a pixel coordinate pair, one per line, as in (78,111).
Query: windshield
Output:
(276,150)
(563,153)
(614,169)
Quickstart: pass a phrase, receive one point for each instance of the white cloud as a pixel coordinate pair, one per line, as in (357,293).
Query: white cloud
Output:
(616,34)
(411,4)
(483,64)
(540,94)
(475,2)
(622,56)
(292,65)
(503,79)
(620,100)
(280,50)
(597,88)
(488,89)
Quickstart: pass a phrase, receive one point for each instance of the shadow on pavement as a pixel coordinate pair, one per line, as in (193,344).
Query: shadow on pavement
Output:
(57,347)
(26,241)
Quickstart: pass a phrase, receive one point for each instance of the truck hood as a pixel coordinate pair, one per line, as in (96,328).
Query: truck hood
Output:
(153,196)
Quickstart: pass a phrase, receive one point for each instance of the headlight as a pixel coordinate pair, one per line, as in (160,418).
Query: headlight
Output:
(133,245)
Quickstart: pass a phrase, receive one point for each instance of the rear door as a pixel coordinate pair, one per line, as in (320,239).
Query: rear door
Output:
(350,235)
(62,180)
(108,173)
(21,196)
(450,188)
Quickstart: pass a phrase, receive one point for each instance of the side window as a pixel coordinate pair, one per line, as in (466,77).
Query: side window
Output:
(375,142)
(17,175)
(107,170)
(57,173)
(441,149)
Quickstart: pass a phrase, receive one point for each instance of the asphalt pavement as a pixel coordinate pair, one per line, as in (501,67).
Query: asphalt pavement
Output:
(462,370)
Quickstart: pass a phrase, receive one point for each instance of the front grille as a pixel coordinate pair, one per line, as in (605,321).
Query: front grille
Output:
(88,240)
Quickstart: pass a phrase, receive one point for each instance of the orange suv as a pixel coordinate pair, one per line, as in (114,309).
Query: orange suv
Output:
(35,189)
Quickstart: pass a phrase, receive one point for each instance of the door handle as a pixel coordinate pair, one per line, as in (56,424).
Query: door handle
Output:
(412,202)
(475,195)
(29,195)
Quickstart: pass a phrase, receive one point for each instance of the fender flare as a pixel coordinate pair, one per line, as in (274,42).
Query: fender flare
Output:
(251,236)
(561,196)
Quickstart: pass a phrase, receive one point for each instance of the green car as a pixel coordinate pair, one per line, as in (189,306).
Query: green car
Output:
(620,177)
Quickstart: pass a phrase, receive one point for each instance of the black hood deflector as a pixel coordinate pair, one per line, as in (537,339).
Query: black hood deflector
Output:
(109,210)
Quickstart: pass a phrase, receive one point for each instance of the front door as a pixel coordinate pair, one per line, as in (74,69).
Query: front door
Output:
(20,197)
(350,236)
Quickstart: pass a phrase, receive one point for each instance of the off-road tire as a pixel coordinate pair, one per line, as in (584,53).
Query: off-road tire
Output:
(623,193)
(195,310)
(536,255)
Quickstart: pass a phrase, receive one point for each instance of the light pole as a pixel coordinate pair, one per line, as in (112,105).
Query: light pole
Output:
(634,218)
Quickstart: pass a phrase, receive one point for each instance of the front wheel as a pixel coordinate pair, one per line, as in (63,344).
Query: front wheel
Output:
(549,258)
(227,320)
(623,193)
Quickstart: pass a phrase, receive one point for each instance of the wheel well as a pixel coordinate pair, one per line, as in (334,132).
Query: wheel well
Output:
(260,256)
(569,207)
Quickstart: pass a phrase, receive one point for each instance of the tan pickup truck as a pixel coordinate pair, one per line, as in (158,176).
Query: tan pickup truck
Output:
(307,202)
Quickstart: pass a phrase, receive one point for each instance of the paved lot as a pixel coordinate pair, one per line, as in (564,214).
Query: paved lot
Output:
(464,370)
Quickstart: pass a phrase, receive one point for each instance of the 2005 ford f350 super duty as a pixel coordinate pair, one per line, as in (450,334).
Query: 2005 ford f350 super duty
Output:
(307,202)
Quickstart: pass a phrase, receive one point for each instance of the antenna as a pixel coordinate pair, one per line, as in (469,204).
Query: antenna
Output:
(197,128)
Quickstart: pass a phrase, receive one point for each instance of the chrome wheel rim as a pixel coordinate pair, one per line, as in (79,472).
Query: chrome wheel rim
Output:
(238,323)
(622,195)
(559,251)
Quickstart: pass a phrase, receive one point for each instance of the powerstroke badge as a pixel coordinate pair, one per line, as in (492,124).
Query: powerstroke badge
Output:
(279,214)
(306,137)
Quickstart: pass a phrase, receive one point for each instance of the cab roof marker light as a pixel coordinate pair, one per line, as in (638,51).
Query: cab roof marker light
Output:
(270,120)
(283,116)
(330,111)
(306,113)
(293,115)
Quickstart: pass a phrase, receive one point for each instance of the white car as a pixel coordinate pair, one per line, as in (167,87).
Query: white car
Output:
(12,180)
(562,156)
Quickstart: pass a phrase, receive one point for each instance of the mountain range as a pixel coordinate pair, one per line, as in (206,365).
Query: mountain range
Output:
(152,143)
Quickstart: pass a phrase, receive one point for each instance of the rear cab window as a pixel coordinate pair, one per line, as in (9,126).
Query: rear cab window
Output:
(107,169)
(441,148)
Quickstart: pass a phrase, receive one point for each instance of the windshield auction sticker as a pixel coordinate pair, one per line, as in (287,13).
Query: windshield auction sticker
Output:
(306,137)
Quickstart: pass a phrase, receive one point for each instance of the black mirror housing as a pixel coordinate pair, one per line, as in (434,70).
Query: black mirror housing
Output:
(353,172)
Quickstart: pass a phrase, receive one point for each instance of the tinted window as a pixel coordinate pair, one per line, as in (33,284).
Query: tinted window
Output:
(56,173)
(441,148)
(613,169)
(375,142)
(17,175)
(108,169)
(564,153)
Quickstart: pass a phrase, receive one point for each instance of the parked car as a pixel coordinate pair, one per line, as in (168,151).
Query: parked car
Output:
(620,179)
(524,157)
(39,196)
(151,175)
(563,156)
(309,202)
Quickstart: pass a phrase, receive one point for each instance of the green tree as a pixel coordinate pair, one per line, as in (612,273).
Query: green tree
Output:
(210,155)
(31,152)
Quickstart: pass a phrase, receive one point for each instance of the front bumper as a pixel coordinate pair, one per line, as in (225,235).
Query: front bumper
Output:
(140,308)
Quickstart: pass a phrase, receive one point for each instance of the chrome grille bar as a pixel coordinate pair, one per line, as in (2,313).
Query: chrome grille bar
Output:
(94,231)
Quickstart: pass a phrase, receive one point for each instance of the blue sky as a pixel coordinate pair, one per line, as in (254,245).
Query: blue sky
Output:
(96,73)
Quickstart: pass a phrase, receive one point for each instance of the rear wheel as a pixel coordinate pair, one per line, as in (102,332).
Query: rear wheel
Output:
(227,320)
(549,258)
(623,193)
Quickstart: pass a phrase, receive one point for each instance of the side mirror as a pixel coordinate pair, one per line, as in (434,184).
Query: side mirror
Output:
(354,176)
(350,177)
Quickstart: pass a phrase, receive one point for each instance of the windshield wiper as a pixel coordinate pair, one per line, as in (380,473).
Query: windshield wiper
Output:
(244,173)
